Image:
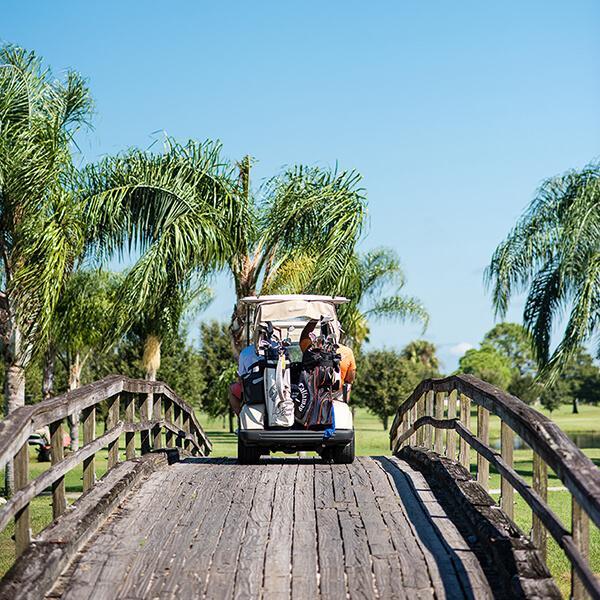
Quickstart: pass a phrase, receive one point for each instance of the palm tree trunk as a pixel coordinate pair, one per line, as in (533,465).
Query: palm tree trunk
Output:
(14,378)
(74,383)
(48,374)
(238,330)
(151,357)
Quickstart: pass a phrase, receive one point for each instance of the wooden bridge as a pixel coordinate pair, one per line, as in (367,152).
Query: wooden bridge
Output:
(174,523)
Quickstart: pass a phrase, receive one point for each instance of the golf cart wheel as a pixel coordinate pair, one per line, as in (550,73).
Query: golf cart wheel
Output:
(343,455)
(248,455)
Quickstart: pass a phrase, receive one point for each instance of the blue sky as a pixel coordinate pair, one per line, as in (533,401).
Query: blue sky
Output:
(454,112)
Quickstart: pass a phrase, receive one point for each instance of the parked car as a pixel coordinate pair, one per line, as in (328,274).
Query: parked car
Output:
(287,405)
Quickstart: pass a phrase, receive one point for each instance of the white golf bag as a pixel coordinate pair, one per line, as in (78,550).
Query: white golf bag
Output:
(278,396)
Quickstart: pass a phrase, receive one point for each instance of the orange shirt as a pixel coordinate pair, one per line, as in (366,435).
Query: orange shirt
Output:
(348,362)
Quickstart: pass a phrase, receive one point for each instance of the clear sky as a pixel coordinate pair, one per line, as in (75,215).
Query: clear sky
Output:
(454,112)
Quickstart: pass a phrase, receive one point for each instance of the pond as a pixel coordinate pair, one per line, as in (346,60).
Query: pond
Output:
(582,439)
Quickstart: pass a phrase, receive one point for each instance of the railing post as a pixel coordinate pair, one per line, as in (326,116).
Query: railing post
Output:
(156,414)
(421,413)
(129,400)
(483,433)
(89,435)
(465,418)
(580,529)
(439,414)
(145,416)
(429,413)
(22,519)
(186,429)
(450,433)
(540,485)
(113,418)
(59,497)
(168,419)
(507,444)
(177,423)
(412,440)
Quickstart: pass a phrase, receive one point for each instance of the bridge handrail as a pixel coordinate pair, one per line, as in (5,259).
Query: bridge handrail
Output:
(159,409)
(424,410)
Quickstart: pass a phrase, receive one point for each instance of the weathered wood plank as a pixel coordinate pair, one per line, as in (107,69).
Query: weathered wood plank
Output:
(59,497)
(450,433)
(221,577)
(483,433)
(441,569)
(42,562)
(249,576)
(466,564)
(332,581)
(114,404)
(324,497)
(198,556)
(207,478)
(129,404)
(304,546)
(89,433)
(278,559)
(540,485)
(507,440)
(146,564)
(413,566)
(22,520)
(357,558)
(439,414)
(384,558)
(102,568)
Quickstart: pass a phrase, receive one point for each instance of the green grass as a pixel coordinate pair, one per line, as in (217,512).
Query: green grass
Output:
(371,439)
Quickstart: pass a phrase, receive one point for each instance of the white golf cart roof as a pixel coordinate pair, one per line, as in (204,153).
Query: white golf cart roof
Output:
(287,310)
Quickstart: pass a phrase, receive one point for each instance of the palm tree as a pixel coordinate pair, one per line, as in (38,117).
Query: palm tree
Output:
(554,253)
(299,237)
(40,229)
(176,209)
(421,352)
(370,277)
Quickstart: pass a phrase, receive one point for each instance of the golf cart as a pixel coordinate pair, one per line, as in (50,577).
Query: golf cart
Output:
(288,402)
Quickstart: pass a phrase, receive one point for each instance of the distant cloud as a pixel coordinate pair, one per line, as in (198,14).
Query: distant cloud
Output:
(460,349)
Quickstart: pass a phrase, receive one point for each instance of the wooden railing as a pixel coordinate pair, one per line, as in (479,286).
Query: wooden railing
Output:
(158,408)
(445,404)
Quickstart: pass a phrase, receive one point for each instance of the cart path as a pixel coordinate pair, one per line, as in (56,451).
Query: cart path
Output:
(295,528)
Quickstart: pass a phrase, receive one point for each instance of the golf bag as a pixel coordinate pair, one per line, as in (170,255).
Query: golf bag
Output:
(313,407)
(253,384)
(278,395)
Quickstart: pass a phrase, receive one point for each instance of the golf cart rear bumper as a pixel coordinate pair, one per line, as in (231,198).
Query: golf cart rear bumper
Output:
(301,440)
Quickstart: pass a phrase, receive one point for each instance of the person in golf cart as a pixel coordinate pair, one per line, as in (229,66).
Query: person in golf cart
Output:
(248,357)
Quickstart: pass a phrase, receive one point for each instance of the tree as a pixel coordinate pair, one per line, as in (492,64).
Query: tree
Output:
(513,341)
(40,231)
(79,326)
(423,352)
(177,209)
(298,238)
(385,379)
(218,369)
(373,284)
(40,239)
(553,254)
(488,365)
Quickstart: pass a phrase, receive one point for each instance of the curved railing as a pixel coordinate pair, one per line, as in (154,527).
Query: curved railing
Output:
(157,407)
(445,404)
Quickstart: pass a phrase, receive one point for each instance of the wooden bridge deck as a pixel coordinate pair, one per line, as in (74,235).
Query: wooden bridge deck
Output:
(292,528)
